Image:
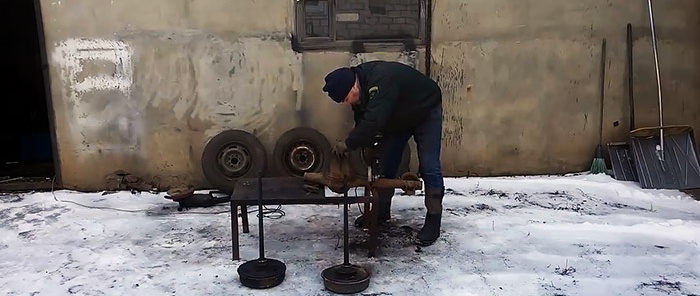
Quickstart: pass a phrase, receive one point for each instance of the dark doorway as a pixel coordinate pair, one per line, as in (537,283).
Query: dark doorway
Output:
(26,145)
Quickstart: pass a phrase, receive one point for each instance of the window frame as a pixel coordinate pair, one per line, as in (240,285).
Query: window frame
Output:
(331,43)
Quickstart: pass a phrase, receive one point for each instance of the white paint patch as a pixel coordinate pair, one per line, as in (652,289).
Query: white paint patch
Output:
(409,58)
(405,57)
(72,53)
(347,17)
(298,78)
(357,58)
(113,58)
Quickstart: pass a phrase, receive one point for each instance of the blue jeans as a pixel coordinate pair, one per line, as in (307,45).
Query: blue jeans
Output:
(428,137)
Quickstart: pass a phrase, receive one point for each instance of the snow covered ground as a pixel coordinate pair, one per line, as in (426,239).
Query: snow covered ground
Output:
(545,235)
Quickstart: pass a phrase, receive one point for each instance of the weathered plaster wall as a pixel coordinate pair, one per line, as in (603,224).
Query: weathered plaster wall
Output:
(142,86)
(521,78)
(143,90)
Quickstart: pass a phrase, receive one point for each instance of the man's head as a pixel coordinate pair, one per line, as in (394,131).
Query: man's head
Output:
(342,86)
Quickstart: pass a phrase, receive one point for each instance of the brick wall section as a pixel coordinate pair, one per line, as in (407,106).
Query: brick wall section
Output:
(400,19)
(316,19)
(384,19)
(317,26)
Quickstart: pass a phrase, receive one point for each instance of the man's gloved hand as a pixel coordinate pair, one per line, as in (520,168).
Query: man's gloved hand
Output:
(340,148)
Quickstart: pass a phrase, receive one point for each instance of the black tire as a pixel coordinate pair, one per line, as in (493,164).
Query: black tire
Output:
(301,150)
(231,155)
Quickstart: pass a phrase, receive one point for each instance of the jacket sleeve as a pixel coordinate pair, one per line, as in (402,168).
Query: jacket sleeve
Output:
(383,94)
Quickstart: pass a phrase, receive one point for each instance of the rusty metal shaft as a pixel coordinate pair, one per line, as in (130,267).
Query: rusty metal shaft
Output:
(341,185)
(339,179)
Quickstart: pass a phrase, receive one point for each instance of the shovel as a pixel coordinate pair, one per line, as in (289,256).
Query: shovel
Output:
(665,156)
(621,157)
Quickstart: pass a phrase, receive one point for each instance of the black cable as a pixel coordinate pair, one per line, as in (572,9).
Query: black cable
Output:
(270,213)
(267,213)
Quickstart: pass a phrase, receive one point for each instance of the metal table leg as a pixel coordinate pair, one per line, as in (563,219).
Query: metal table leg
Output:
(234,231)
(374,225)
(244,218)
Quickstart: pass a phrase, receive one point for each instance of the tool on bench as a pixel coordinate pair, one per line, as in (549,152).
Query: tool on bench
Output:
(187,198)
(340,176)
(261,273)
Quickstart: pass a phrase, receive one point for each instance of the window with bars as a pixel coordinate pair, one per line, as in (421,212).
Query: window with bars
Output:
(339,23)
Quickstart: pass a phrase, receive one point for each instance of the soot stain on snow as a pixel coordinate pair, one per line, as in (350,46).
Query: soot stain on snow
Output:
(464,211)
(53,217)
(589,250)
(451,191)
(624,206)
(490,192)
(554,200)
(663,285)
(10,198)
(395,236)
(568,270)
(10,217)
(411,209)
(560,201)
(550,289)
(27,235)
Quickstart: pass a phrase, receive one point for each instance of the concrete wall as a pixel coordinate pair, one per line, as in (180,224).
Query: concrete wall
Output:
(142,86)
(522,78)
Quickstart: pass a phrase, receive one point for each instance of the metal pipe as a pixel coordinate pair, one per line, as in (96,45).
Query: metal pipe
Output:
(658,81)
(346,252)
(630,76)
(260,218)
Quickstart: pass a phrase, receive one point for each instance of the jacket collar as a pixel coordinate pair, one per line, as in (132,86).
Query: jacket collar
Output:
(362,79)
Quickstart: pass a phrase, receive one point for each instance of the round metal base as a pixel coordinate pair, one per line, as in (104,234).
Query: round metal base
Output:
(262,273)
(345,278)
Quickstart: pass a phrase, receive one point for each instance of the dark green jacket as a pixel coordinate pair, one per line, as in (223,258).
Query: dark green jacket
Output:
(394,98)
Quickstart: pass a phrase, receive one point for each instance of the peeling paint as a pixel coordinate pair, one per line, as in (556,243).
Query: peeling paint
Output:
(266,71)
(298,79)
(73,53)
(115,125)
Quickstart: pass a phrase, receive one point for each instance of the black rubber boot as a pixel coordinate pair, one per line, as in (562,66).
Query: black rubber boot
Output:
(383,206)
(433,218)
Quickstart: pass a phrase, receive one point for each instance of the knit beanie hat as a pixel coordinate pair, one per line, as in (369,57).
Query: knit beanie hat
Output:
(338,83)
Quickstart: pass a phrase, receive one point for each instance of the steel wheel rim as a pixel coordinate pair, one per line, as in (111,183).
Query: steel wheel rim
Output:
(301,157)
(234,160)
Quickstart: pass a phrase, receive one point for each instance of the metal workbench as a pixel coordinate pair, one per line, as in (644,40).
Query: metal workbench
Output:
(288,191)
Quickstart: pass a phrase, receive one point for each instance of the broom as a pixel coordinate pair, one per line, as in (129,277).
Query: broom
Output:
(598,165)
